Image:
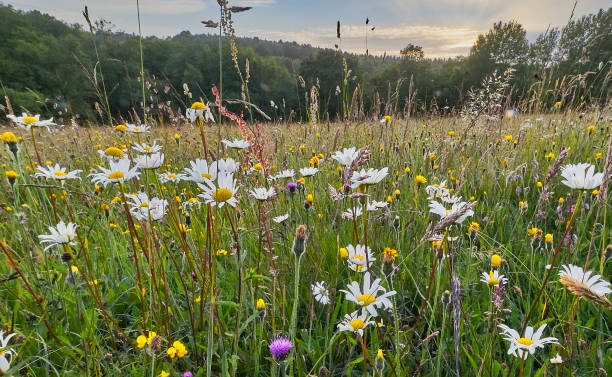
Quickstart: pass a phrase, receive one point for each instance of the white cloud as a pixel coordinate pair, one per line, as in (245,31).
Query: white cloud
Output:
(251,3)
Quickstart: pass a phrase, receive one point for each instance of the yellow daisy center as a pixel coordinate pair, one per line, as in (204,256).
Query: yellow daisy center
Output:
(222,195)
(59,173)
(366,299)
(147,148)
(114,152)
(205,175)
(144,204)
(525,341)
(493,281)
(30,120)
(357,324)
(198,106)
(115,175)
(172,176)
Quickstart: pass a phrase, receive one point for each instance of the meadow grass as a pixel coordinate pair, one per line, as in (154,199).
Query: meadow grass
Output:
(222,280)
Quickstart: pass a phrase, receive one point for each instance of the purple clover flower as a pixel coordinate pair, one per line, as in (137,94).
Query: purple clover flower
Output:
(280,347)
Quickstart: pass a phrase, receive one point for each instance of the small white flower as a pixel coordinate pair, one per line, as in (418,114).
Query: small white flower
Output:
(309,171)
(199,172)
(357,258)
(57,172)
(61,234)
(146,148)
(262,193)
(355,322)
(143,208)
(236,143)
(556,360)
(149,161)
(374,205)
(119,172)
(27,122)
(370,298)
(346,156)
(223,193)
(352,213)
(368,177)
(6,354)
(224,165)
(523,346)
(169,177)
(580,176)
(288,173)
(142,128)
(320,292)
(438,208)
(492,278)
(281,218)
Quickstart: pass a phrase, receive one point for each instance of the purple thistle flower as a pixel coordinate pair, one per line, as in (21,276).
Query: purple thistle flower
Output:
(187,374)
(291,186)
(279,348)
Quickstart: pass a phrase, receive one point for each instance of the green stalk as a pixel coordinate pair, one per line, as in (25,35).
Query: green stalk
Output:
(144,103)
(296,299)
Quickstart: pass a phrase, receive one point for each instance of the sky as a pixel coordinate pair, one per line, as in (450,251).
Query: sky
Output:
(444,28)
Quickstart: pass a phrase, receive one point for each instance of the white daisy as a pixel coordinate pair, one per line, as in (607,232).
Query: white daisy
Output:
(146,148)
(437,191)
(143,208)
(142,128)
(119,172)
(26,121)
(202,113)
(223,193)
(57,172)
(374,205)
(199,172)
(320,292)
(288,173)
(262,193)
(580,176)
(369,298)
(236,143)
(492,278)
(149,161)
(281,218)
(355,322)
(523,346)
(6,354)
(582,282)
(368,177)
(169,177)
(438,208)
(309,171)
(556,360)
(61,234)
(357,259)
(346,156)
(352,213)
(224,165)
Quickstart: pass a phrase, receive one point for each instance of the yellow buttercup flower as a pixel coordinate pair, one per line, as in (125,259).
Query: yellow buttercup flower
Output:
(261,304)
(420,179)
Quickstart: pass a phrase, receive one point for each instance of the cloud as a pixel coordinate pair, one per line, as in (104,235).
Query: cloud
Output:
(251,3)
(437,41)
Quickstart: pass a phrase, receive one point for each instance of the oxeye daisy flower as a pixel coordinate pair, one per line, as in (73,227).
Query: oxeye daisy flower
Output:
(357,260)
(27,121)
(288,173)
(236,143)
(143,208)
(199,172)
(369,297)
(585,284)
(280,347)
(492,278)
(309,171)
(556,360)
(346,156)
(169,177)
(118,172)
(146,148)
(225,165)
(262,193)
(527,344)
(352,213)
(281,218)
(199,110)
(437,191)
(368,177)
(142,128)
(61,234)
(438,208)
(6,354)
(355,322)
(320,292)
(56,172)
(149,161)
(223,193)
(581,176)
(375,205)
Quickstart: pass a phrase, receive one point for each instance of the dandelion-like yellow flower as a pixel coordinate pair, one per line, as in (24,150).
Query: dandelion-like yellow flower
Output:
(198,106)
(261,304)
(420,179)
(495,260)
